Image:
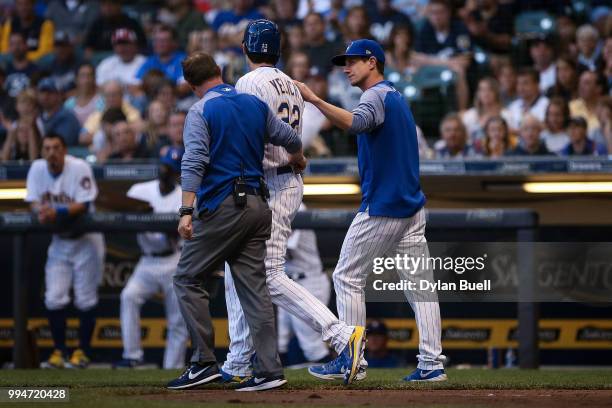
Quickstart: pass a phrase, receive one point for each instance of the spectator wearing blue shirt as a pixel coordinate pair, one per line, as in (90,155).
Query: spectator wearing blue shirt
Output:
(230,24)
(441,34)
(54,117)
(580,144)
(530,143)
(242,11)
(454,139)
(19,70)
(166,58)
(384,17)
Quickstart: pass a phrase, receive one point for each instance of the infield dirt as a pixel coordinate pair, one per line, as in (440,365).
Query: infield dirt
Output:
(393,398)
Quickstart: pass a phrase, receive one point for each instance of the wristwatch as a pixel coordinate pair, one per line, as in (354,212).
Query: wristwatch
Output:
(185,211)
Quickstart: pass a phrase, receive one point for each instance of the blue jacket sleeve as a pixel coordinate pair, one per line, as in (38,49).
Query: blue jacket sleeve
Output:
(370,112)
(196,138)
(281,134)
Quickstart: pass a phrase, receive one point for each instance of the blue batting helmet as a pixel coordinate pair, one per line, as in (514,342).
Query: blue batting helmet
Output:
(262,37)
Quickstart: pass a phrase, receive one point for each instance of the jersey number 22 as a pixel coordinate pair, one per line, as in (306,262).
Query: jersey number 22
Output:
(292,117)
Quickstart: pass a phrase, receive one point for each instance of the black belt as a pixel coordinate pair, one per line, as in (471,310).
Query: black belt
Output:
(284,170)
(161,254)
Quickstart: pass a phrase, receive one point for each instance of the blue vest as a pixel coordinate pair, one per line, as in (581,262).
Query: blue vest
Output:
(388,160)
(237,128)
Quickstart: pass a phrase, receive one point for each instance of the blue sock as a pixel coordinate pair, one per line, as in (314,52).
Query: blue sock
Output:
(57,325)
(86,327)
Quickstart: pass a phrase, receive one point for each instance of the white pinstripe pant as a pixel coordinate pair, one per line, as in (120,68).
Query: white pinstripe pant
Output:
(370,237)
(308,338)
(153,275)
(76,263)
(286,192)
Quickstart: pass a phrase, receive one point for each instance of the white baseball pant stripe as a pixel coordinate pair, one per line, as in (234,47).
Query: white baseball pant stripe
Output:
(153,275)
(76,263)
(285,198)
(370,237)
(309,339)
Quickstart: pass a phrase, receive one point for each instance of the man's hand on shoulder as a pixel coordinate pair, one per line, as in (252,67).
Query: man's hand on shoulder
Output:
(307,94)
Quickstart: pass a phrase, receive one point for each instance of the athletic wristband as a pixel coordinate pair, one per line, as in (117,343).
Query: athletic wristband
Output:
(61,212)
(185,210)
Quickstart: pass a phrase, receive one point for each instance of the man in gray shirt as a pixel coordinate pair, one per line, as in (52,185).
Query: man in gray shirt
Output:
(224,138)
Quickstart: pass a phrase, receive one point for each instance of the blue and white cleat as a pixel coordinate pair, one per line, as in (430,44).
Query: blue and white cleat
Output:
(426,375)
(346,365)
(227,378)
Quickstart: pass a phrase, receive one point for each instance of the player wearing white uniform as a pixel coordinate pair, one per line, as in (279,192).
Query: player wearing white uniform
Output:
(155,269)
(262,46)
(391,218)
(60,188)
(303,265)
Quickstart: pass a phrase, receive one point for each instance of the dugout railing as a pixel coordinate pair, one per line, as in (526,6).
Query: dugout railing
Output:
(522,224)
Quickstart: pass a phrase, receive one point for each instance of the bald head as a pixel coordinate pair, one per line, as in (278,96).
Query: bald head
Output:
(113,94)
(530,132)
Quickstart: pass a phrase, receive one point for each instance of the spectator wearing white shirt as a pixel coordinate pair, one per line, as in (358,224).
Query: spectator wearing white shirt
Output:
(557,118)
(125,62)
(487,104)
(542,54)
(314,122)
(86,99)
(589,48)
(529,100)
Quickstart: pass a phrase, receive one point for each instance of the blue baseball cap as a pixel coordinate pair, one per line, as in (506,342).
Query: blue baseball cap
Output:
(361,48)
(173,158)
(47,85)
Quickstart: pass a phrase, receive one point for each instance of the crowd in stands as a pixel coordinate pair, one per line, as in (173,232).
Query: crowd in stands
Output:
(107,76)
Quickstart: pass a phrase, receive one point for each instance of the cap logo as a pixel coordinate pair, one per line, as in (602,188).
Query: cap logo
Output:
(264,47)
(368,52)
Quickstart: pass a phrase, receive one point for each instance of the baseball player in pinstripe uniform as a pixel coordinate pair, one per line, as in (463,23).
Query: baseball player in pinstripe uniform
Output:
(155,269)
(303,265)
(391,219)
(61,187)
(262,47)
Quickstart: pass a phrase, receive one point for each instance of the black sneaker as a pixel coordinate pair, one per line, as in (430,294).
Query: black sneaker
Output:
(261,383)
(196,374)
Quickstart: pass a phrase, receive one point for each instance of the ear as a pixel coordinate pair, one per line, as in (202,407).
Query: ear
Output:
(372,62)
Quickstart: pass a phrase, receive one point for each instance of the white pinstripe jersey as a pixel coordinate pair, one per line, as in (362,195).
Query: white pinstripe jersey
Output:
(279,92)
(75,184)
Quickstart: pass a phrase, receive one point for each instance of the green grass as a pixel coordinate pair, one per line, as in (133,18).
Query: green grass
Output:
(101,388)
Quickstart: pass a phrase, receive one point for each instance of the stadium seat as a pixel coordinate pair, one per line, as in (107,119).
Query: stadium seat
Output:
(534,24)
(97,57)
(79,151)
